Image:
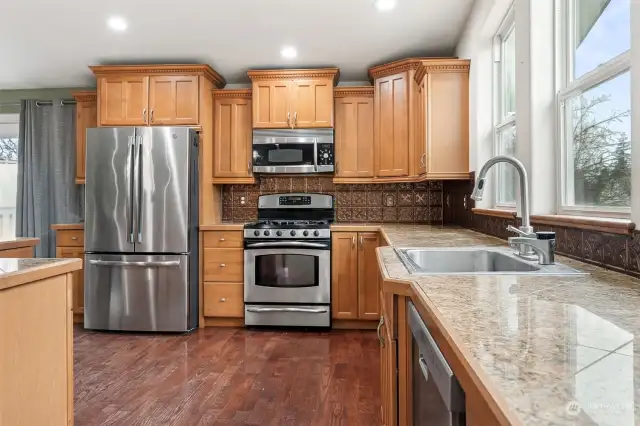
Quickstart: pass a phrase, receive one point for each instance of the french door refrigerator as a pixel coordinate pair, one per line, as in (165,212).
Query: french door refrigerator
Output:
(141,229)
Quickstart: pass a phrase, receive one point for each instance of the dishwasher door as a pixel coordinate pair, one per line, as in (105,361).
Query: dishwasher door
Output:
(438,399)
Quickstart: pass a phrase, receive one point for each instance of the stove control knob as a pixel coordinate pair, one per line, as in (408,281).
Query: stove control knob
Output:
(256,232)
(293,233)
(316,233)
(267,232)
(279,233)
(305,233)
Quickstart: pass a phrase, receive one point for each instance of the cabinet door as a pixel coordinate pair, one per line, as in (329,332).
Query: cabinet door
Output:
(389,402)
(271,104)
(123,100)
(78,276)
(173,100)
(86,117)
(391,120)
(344,275)
(354,137)
(368,277)
(312,103)
(232,138)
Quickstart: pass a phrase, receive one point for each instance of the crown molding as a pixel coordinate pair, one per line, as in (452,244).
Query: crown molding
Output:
(231,93)
(281,74)
(198,69)
(85,95)
(441,66)
(344,91)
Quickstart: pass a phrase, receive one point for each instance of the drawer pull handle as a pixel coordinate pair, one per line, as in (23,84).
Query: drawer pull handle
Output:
(223,300)
(74,238)
(221,238)
(222,265)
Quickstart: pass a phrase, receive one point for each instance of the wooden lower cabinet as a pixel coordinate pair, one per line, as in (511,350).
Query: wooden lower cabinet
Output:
(388,369)
(355,280)
(70,245)
(21,252)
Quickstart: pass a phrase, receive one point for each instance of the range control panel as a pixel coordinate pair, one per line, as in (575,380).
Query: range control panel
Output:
(295,200)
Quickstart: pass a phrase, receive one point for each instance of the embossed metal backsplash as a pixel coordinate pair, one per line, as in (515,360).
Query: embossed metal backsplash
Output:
(612,251)
(397,202)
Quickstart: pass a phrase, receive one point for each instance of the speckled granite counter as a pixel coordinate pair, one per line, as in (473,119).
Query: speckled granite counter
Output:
(551,350)
(14,272)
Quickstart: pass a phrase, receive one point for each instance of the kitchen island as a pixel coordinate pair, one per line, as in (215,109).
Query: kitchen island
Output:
(36,337)
(18,247)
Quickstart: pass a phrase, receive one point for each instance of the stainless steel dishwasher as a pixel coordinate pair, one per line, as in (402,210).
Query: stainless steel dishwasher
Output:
(438,399)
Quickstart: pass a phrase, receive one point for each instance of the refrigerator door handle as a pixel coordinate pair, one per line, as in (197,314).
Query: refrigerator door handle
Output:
(130,194)
(138,174)
(167,263)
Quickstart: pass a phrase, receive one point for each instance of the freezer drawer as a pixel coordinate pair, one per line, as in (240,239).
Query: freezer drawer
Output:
(139,293)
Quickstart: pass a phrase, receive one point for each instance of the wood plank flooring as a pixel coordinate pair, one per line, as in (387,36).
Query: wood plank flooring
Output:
(227,377)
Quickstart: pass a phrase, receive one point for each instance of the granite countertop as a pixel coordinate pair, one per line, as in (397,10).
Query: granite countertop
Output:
(18,242)
(14,272)
(539,344)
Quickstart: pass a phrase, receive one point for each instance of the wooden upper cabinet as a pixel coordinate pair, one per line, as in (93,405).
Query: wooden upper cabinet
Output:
(232,136)
(368,277)
(344,272)
(86,117)
(312,103)
(173,100)
(271,104)
(162,95)
(354,133)
(123,100)
(445,117)
(391,131)
(293,98)
(420,157)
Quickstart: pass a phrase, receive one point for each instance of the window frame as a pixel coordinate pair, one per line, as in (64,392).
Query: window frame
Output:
(568,87)
(501,121)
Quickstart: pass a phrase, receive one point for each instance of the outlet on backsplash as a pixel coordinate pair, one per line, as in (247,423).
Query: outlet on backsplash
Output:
(397,202)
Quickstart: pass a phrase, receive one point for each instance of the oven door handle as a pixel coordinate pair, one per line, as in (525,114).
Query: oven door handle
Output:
(300,310)
(294,244)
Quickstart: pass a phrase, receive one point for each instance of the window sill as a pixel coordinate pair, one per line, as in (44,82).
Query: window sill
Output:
(504,214)
(601,224)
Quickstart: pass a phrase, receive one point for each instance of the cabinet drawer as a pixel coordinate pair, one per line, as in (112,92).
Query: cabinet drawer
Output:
(223,300)
(223,265)
(22,252)
(222,239)
(70,238)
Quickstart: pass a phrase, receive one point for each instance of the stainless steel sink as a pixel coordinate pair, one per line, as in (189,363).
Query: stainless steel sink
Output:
(475,261)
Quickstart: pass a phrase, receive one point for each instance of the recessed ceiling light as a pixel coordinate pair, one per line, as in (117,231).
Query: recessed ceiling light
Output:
(117,24)
(288,52)
(385,5)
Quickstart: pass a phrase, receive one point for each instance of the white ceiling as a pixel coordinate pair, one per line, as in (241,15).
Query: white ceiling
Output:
(46,43)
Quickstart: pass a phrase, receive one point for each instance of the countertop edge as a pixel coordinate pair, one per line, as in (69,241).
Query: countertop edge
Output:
(67,226)
(222,227)
(47,270)
(19,242)
(410,289)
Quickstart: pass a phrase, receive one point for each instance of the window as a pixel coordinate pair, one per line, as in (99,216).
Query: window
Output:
(594,107)
(8,174)
(504,139)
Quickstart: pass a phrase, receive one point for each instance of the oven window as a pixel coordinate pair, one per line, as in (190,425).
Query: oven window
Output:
(286,270)
(286,156)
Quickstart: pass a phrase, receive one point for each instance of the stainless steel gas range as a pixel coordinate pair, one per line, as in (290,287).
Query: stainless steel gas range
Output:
(287,261)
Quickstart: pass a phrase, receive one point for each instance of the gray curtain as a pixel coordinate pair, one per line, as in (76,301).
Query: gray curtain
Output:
(47,192)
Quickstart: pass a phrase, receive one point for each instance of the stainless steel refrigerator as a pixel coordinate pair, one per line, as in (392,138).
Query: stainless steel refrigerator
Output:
(141,229)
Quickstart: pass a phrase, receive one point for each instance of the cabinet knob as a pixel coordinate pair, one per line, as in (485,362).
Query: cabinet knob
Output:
(223,300)
(74,238)
(222,265)
(221,238)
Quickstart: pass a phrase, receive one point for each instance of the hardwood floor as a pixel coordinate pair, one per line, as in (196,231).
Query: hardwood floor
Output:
(227,377)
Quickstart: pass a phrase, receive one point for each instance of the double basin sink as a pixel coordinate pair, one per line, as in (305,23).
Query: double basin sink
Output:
(475,261)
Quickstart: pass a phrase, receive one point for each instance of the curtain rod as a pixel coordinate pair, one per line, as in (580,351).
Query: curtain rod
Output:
(41,103)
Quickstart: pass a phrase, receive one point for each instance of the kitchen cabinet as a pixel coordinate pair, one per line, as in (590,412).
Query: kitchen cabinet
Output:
(156,95)
(293,98)
(86,117)
(388,369)
(70,245)
(354,134)
(444,117)
(232,162)
(354,284)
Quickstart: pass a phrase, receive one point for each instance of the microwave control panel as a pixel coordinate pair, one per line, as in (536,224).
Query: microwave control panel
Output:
(325,154)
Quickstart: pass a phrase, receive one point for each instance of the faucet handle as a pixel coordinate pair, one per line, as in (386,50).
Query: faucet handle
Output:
(515,230)
(546,235)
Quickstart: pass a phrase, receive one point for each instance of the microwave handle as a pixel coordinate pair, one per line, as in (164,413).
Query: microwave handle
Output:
(315,156)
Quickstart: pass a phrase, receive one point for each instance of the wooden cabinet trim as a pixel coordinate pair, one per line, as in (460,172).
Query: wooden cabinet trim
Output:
(178,69)
(232,93)
(356,91)
(396,67)
(441,65)
(291,74)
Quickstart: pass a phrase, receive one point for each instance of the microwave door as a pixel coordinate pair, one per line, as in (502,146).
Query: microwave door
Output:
(284,155)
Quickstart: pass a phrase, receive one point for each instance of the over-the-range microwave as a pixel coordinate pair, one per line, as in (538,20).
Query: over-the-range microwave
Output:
(293,151)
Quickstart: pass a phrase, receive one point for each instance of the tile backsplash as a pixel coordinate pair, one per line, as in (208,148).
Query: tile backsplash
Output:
(395,202)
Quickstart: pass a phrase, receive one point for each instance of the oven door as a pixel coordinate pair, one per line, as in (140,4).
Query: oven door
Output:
(282,274)
(284,154)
